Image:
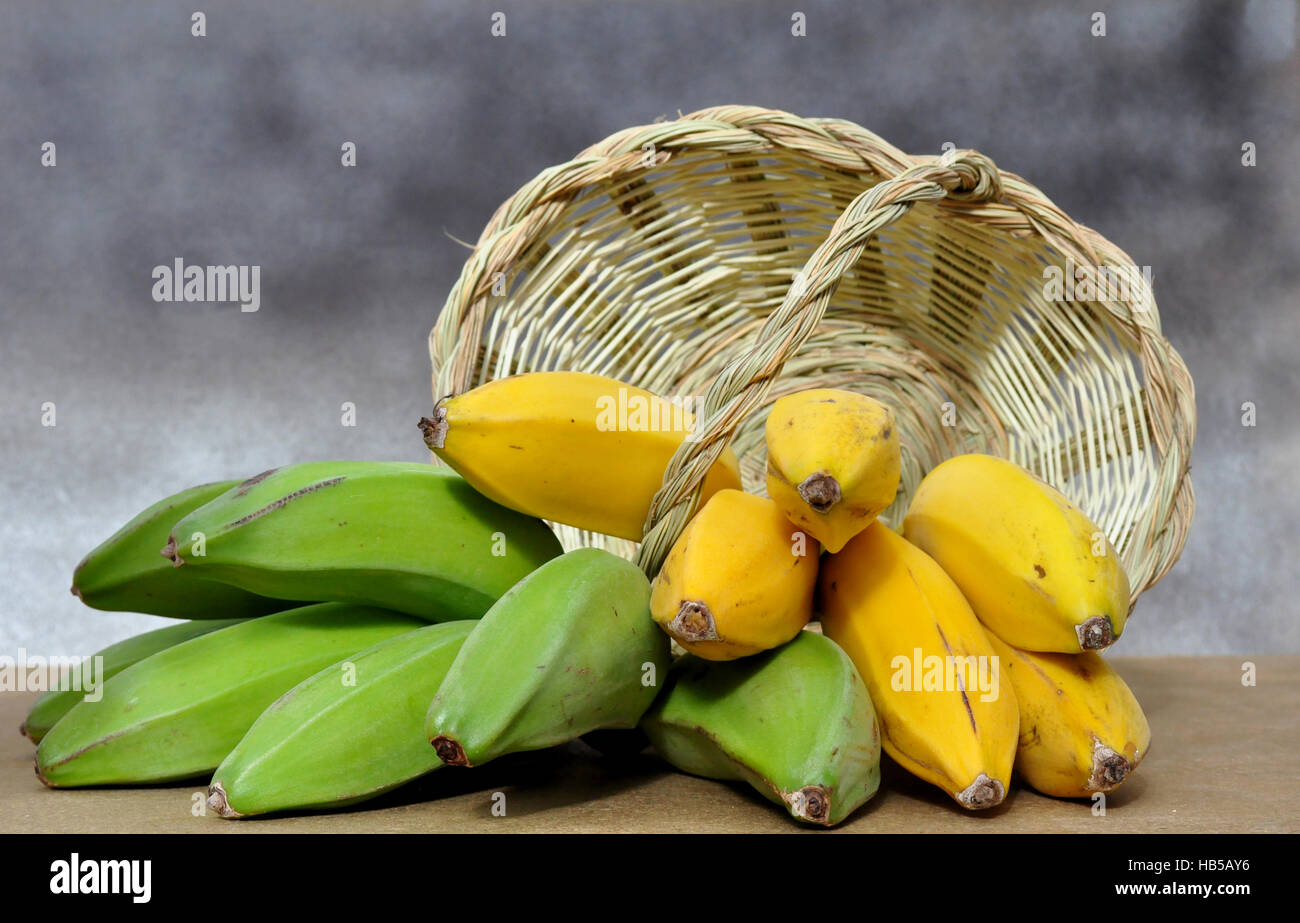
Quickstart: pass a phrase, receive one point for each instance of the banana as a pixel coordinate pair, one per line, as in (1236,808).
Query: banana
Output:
(178,713)
(328,742)
(928,665)
(408,537)
(126,574)
(795,723)
(578,449)
(739,579)
(1081,728)
(1035,569)
(112,660)
(570,649)
(833,462)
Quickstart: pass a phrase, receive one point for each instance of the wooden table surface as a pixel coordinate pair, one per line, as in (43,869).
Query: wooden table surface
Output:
(1223,759)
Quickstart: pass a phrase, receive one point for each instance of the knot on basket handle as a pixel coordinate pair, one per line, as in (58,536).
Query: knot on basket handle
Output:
(976,177)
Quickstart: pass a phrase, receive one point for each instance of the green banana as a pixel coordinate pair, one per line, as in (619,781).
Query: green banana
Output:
(177,714)
(408,537)
(795,723)
(113,659)
(326,743)
(126,573)
(571,648)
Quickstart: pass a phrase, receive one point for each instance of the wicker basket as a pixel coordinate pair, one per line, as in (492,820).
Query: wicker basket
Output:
(742,254)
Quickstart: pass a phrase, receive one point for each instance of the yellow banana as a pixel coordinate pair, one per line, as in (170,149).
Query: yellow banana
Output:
(1081,728)
(579,449)
(928,665)
(739,579)
(832,462)
(1034,568)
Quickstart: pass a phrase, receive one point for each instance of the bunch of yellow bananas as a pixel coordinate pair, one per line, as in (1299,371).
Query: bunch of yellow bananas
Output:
(996,575)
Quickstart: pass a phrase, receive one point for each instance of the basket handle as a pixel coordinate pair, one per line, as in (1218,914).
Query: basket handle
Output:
(739,389)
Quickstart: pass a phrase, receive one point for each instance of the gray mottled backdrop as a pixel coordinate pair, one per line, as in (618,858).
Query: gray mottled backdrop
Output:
(225,149)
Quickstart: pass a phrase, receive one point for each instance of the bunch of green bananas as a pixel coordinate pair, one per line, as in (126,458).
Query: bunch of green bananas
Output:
(314,583)
(352,626)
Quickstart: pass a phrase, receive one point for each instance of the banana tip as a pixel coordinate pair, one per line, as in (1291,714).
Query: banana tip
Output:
(820,491)
(1095,633)
(36,766)
(982,793)
(218,803)
(1109,768)
(811,803)
(169,552)
(693,622)
(434,428)
(450,751)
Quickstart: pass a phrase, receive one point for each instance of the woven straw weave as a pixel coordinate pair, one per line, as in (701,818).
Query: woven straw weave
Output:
(742,254)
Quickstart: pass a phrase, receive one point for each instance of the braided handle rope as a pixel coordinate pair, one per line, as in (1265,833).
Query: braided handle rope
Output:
(739,389)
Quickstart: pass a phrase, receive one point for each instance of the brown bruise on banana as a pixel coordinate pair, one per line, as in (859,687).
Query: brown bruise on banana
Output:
(811,803)
(286,500)
(1095,633)
(981,794)
(820,491)
(450,751)
(434,428)
(243,489)
(217,801)
(694,622)
(965,700)
(171,551)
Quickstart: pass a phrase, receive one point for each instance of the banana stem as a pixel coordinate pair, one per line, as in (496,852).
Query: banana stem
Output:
(450,751)
(217,801)
(982,793)
(169,552)
(1109,768)
(435,428)
(693,622)
(1095,633)
(820,491)
(812,803)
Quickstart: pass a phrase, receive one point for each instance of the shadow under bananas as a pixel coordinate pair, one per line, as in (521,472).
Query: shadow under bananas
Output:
(576,774)
(536,781)
(896,781)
